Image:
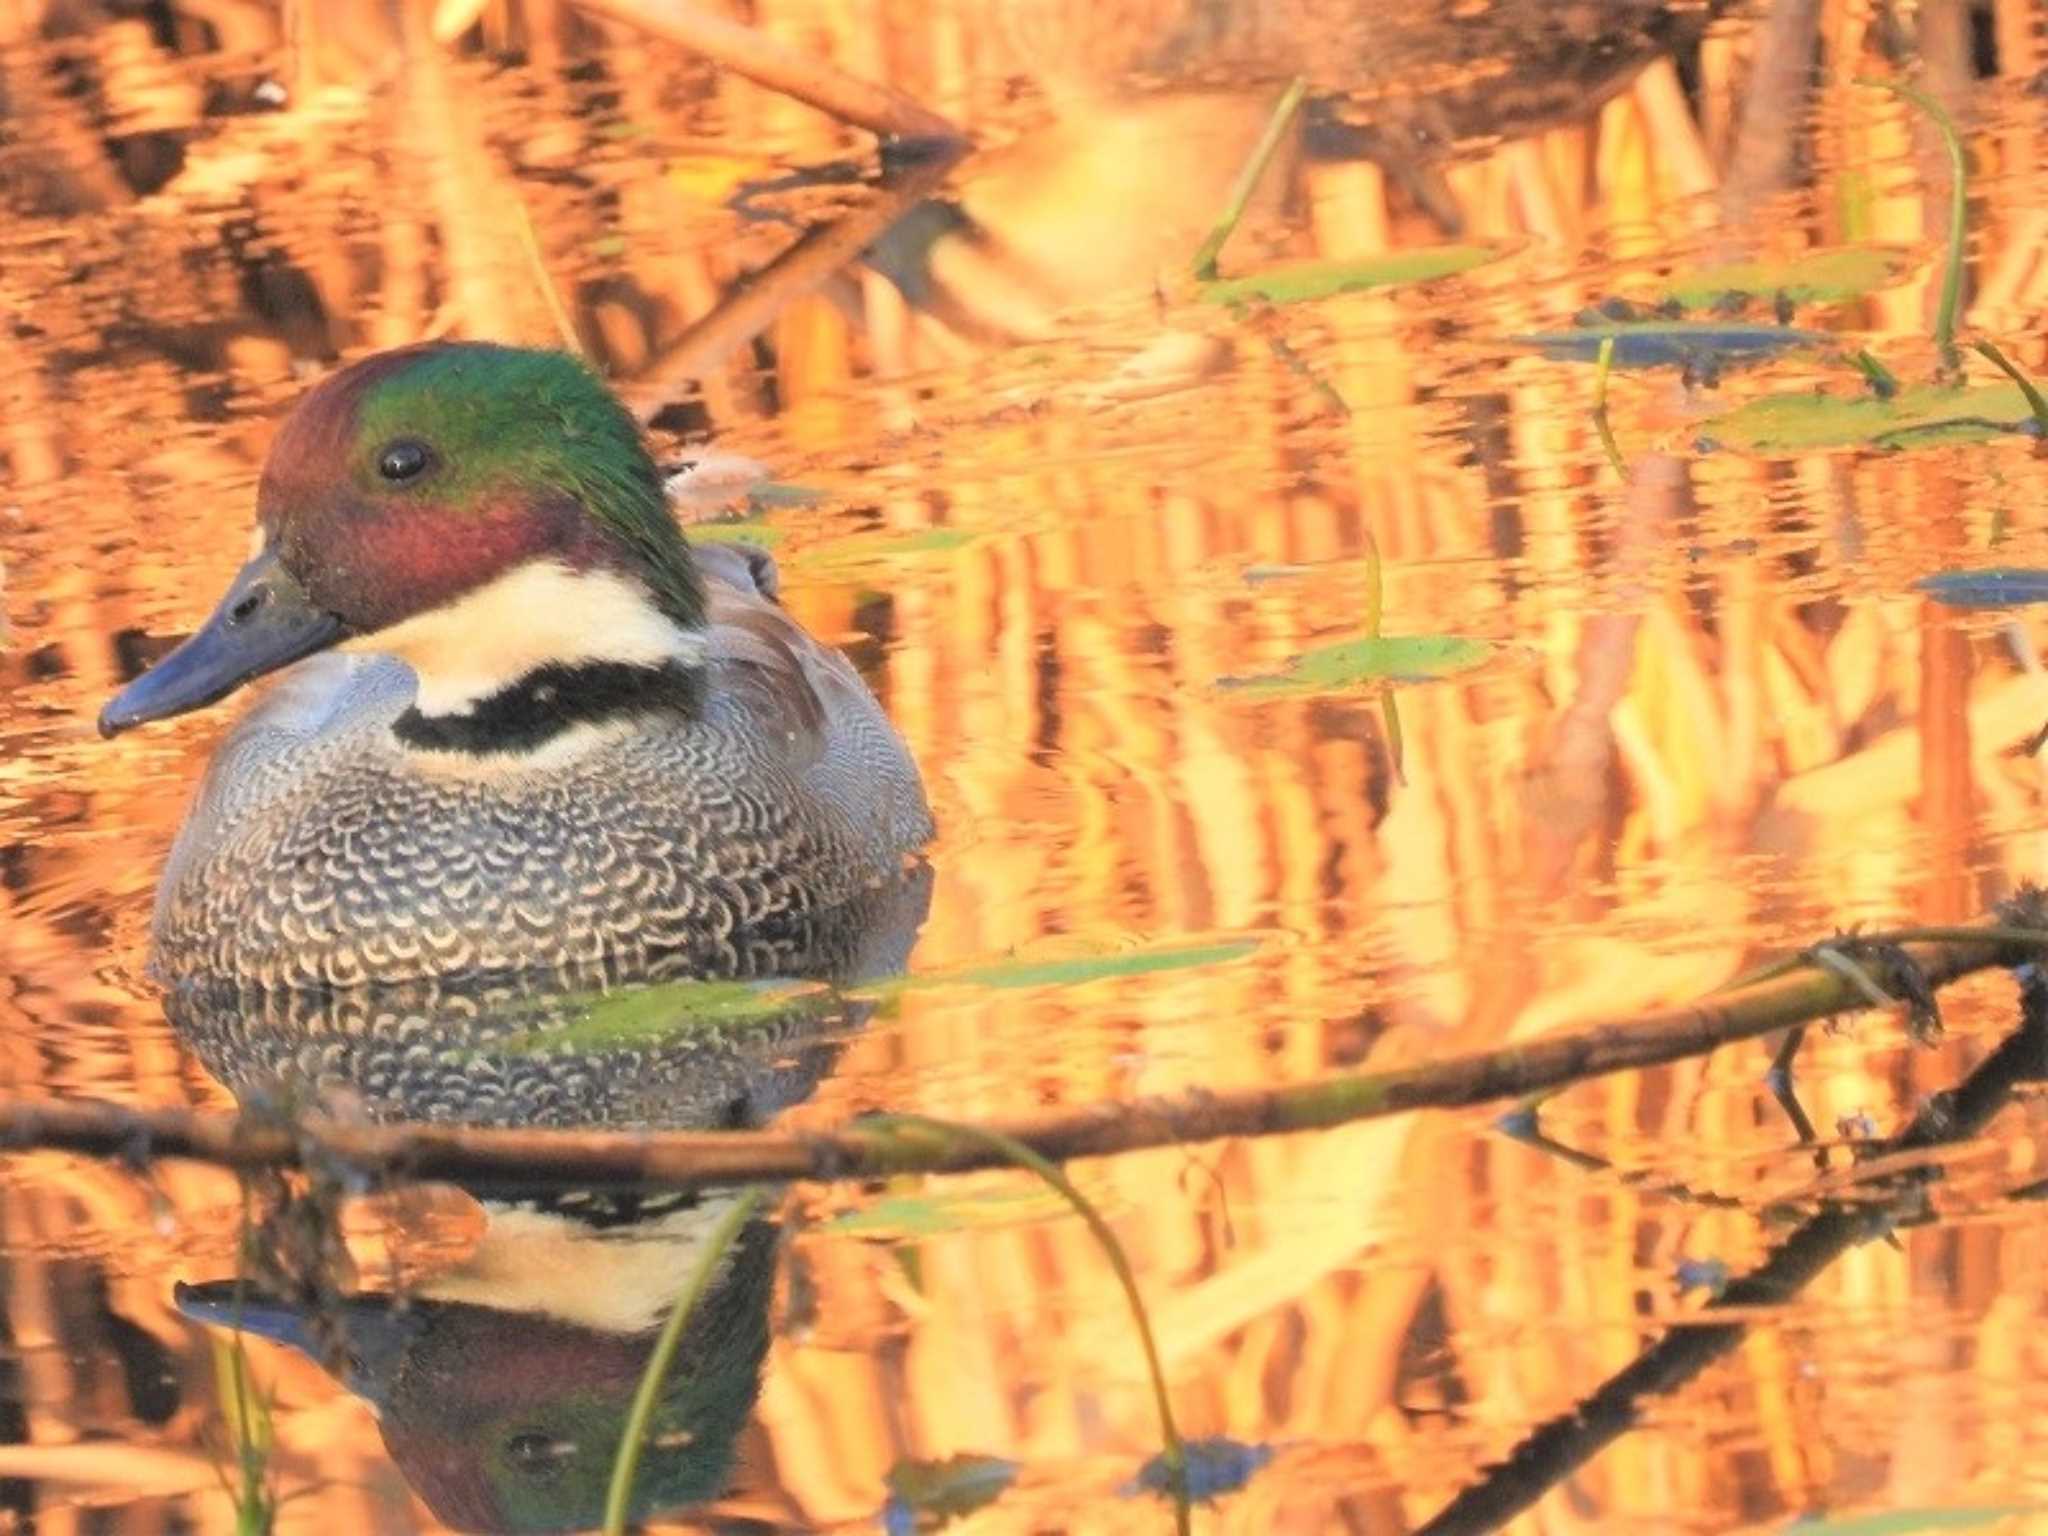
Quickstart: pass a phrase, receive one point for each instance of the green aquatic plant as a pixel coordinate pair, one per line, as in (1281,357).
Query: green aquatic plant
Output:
(883,546)
(1890,417)
(251,1437)
(1248,177)
(1373,660)
(1305,281)
(1076,970)
(1958,215)
(619,1495)
(708,1009)
(1832,276)
(896,1217)
(1601,424)
(2006,366)
(635,1015)
(1701,347)
(1915,1522)
(1809,421)
(924,1495)
(1173,1460)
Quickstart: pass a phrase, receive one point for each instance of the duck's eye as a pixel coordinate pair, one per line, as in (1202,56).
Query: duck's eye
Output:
(403,460)
(538,1455)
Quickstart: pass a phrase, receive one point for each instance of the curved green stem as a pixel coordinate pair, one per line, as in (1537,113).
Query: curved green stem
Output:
(1205,262)
(619,1496)
(1958,214)
(2011,370)
(1024,1157)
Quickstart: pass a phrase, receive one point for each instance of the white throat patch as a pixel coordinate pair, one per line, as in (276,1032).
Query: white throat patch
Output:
(539,613)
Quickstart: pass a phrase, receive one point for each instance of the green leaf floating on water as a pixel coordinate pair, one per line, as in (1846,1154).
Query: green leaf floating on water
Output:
(673,1011)
(1819,277)
(642,1015)
(1913,418)
(882,546)
(1376,659)
(926,1495)
(1669,343)
(912,1216)
(1905,1522)
(1301,282)
(760,534)
(1074,970)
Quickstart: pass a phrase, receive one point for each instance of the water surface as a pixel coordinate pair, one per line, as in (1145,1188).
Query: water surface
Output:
(1713,721)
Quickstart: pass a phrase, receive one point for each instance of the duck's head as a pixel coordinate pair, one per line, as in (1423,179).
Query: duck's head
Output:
(482,511)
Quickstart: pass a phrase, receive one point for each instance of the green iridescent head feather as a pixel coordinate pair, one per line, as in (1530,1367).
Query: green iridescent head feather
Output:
(513,436)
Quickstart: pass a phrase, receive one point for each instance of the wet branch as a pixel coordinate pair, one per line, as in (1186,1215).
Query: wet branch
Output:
(1561,1446)
(480,1157)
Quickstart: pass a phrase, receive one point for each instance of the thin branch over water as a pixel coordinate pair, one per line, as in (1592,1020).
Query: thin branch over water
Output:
(481,1157)
(1561,1446)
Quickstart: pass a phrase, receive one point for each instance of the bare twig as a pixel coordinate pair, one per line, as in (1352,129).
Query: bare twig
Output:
(1556,1449)
(861,1150)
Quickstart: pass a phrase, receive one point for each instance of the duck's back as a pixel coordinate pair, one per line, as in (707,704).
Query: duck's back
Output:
(752,838)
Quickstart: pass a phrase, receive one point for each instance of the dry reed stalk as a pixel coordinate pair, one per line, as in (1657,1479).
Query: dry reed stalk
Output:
(486,283)
(1624,176)
(140,1471)
(1766,145)
(2017,261)
(1543,212)
(1743,615)
(33,457)
(813,259)
(1947,774)
(1675,133)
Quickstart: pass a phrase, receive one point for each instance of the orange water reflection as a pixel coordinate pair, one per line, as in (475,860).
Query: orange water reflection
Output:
(1717,722)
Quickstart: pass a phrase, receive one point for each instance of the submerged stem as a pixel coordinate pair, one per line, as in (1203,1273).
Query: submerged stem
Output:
(1602,366)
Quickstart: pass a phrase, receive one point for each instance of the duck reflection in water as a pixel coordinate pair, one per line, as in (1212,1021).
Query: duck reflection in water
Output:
(502,1385)
(505,1411)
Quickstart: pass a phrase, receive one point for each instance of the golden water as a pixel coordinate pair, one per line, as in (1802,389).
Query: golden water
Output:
(1716,722)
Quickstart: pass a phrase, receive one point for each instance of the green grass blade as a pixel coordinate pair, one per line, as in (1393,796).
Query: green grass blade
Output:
(619,1496)
(2011,370)
(1248,179)
(1958,214)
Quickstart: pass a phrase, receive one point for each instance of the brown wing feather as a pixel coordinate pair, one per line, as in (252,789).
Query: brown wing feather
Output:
(764,658)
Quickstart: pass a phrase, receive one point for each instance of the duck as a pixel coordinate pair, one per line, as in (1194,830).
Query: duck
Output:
(527,726)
